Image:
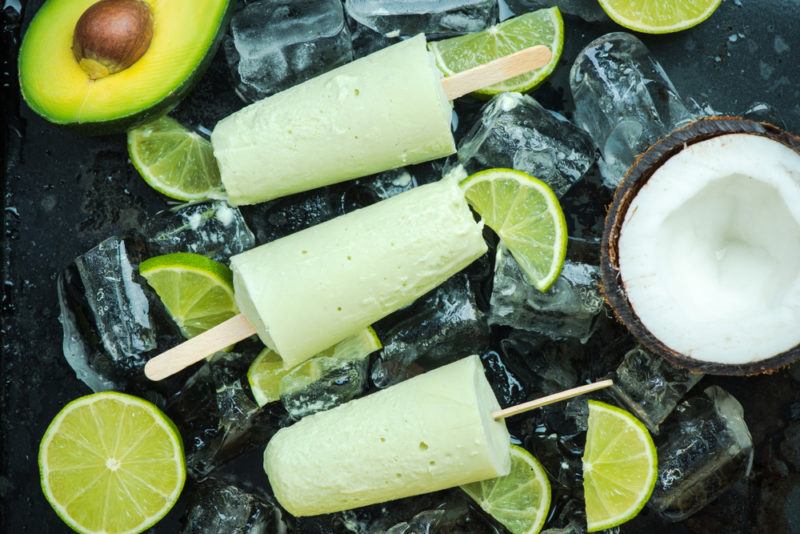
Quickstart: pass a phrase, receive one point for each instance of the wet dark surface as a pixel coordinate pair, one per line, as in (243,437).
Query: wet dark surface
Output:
(63,193)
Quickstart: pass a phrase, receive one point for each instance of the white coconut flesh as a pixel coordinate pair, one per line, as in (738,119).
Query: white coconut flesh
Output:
(709,251)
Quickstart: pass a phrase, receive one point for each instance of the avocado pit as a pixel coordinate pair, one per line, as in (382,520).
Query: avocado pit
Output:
(111,36)
(701,251)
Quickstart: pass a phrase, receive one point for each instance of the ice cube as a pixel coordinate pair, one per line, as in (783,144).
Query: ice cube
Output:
(763,112)
(651,387)
(284,216)
(426,522)
(585,207)
(574,527)
(756,111)
(441,327)
(514,131)
(704,447)
(440,18)
(385,185)
(624,99)
(569,517)
(210,228)
(603,352)
(453,513)
(120,306)
(566,310)
(588,10)
(216,506)
(322,383)
(557,442)
(443,511)
(508,389)
(275,44)
(217,415)
(105,315)
(578,410)
(367,41)
(545,366)
(364,192)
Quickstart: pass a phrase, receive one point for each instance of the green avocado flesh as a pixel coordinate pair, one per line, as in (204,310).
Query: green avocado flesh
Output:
(185,36)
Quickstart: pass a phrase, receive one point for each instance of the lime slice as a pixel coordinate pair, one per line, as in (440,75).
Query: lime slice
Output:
(620,466)
(111,462)
(175,161)
(543,27)
(520,500)
(269,377)
(197,291)
(526,215)
(659,17)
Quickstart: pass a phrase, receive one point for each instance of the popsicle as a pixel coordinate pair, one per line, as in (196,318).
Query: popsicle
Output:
(312,289)
(306,292)
(431,432)
(385,110)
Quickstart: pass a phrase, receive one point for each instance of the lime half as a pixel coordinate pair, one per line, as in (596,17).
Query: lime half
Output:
(197,291)
(111,463)
(175,161)
(269,378)
(520,500)
(543,27)
(620,466)
(647,16)
(525,213)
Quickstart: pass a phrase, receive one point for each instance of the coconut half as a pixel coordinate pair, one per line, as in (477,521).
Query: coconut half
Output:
(701,249)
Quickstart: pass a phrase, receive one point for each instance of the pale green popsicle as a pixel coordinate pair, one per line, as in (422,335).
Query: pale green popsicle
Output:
(382,111)
(310,290)
(431,432)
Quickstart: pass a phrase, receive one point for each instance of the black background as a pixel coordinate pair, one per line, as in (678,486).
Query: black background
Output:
(63,193)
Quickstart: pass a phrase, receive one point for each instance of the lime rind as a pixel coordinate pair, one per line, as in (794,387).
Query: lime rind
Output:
(612,10)
(508,42)
(649,452)
(188,261)
(165,154)
(519,238)
(159,418)
(502,506)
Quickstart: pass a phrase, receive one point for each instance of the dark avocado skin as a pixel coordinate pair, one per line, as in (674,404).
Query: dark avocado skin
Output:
(636,177)
(124,124)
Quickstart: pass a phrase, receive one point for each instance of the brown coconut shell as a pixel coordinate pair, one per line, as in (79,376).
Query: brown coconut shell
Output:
(636,177)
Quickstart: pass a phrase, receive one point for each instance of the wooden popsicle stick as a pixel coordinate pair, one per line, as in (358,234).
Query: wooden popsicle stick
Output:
(201,346)
(498,70)
(550,399)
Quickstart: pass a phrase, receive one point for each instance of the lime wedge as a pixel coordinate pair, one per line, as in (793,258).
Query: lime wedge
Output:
(197,291)
(520,500)
(175,161)
(620,466)
(264,376)
(111,462)
(269,378)
(542,27)
(526,215)
(659,17)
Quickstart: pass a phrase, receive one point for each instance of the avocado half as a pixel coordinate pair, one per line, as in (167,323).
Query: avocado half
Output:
(701,247)
(185,36)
